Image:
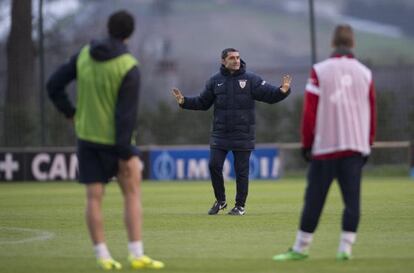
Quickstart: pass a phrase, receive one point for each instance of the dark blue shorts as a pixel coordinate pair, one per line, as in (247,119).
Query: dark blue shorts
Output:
(97,162)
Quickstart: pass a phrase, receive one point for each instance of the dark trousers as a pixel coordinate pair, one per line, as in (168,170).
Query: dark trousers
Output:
(321,173)
(241,167)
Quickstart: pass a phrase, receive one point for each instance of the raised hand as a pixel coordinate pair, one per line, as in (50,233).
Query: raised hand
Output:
(286,80)
(178,96)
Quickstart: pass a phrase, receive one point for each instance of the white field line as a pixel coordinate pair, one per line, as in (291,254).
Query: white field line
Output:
(33,235)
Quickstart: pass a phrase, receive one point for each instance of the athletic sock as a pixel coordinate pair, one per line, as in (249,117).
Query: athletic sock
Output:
(101,251)
(136,249)
(346,241)
(303,241)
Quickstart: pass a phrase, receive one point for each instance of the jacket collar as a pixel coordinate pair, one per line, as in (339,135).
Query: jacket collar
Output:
(107,49)
(225,72)
(342,52)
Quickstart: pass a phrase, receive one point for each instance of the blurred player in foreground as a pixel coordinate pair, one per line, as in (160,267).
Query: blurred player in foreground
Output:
(108,81)
(338,128)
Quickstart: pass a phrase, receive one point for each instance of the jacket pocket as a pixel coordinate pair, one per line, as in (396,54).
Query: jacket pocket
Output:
(241,128)
(219,127)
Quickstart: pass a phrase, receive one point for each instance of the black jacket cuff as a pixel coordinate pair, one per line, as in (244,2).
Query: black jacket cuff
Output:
(125,152)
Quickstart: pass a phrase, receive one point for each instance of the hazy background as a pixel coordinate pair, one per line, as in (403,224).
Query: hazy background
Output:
(178,43)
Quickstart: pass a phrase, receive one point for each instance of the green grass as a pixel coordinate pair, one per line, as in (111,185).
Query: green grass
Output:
(178,230)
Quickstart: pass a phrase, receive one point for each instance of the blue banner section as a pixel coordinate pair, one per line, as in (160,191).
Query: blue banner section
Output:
(412,160)
(192,164)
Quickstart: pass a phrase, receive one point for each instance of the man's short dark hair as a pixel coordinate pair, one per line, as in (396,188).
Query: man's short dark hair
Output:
(343,36)
(120,25)
(226,51)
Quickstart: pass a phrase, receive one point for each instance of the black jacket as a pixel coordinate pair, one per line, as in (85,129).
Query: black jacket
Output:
(234,96)
(127,101)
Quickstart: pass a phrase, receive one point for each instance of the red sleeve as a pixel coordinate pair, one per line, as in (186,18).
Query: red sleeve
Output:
(373,114)
(310,106)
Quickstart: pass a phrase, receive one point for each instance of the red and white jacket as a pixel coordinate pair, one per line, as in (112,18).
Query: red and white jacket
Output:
(339,115)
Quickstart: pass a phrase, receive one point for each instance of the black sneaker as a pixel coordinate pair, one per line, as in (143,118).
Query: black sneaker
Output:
(237,210)
(218,205)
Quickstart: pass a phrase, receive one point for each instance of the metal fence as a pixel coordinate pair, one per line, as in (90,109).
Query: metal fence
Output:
(395,97)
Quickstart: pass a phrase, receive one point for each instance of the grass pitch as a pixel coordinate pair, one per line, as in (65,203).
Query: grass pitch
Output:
(42,228)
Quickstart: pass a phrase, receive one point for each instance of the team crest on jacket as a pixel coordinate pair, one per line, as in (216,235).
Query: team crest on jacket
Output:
(242,83)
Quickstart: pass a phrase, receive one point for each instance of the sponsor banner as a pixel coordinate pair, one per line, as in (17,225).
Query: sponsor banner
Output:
(12,166)
(32,166)
(192,164)
(45,166)
(159,164)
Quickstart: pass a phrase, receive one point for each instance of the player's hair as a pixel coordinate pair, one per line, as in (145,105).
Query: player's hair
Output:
(120,25)
(343,36)
(226,51)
